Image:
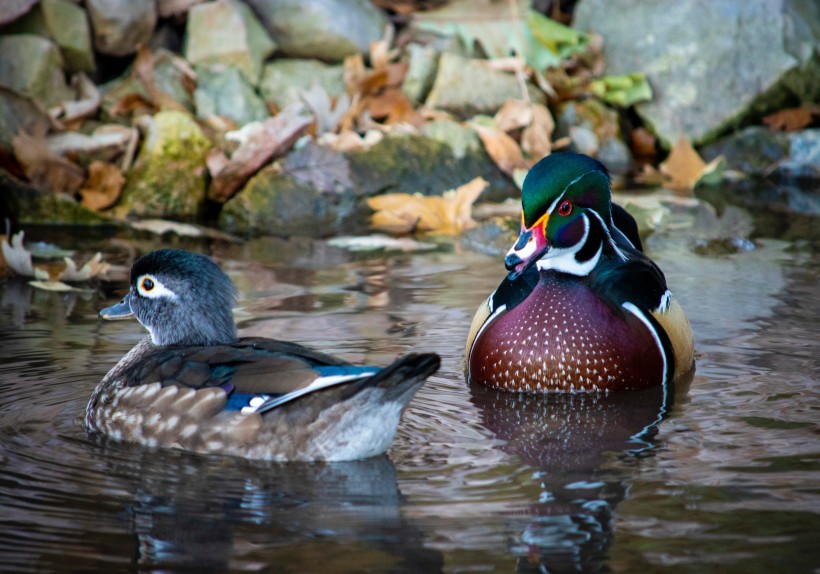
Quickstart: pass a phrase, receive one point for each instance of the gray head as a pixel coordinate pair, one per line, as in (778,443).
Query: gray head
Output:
(182,298)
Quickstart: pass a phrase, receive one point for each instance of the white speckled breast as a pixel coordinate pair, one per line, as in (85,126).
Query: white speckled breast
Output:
(564,338)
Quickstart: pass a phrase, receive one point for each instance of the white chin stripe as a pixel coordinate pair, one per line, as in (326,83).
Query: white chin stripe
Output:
(525,252)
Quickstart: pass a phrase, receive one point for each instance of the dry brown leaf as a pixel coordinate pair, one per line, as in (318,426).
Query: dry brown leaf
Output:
(536,139)
(792,119)
(262,141)
(513,115)
(503,150)
(43,168)
(392,107)
(448,214)
(130,104)
(683,167)
(103,186)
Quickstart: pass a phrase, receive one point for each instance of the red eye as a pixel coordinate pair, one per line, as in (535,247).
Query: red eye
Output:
(565,208)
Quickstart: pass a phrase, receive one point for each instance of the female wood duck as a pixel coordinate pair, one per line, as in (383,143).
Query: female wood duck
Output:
(194,385)
(582,309)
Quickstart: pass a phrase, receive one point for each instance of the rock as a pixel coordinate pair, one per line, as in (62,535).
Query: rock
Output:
(168,178)
(594,129)
(753,151)
(168,75)
(421,71)
(741,59)
(456,88)
(284,80)
(462,140)
(802,168)
(290,199)
(19,113)
(275,203)
(228,94)
(13,9)
(228,34)
(24,204)
(417,164)
(119,26)
(66,24)
(33,66)
(324,29)
(169,8)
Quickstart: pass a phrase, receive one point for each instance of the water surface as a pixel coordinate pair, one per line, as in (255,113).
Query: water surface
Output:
(717,474)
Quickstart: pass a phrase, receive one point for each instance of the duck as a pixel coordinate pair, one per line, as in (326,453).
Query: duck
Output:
(193,384)
(582,308)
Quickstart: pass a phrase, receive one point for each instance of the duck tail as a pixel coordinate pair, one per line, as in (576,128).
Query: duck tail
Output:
(404,376)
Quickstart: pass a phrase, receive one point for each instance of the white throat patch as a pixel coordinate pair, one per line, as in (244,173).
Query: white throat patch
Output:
(564,260)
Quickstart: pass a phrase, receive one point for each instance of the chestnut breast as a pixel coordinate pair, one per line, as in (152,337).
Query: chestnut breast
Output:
(564,338)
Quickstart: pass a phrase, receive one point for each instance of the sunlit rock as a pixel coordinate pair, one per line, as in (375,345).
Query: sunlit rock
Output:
(732,59)
(120,26)
(67,25)
(227,93)
(33,65)
(228,34)
(168,178)
(325,29)
(466,87)
(284,80)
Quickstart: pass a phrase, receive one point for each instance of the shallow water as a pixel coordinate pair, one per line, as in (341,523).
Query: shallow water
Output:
(718,474)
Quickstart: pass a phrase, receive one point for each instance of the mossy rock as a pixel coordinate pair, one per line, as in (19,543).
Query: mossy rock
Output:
(24,204)
(418,164)
(168,178)
(275,203)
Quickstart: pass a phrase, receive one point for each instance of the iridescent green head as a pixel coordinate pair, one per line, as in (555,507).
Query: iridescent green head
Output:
(566,200)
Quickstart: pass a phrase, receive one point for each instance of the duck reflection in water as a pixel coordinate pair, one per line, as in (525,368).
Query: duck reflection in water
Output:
(571,442)
(202,514)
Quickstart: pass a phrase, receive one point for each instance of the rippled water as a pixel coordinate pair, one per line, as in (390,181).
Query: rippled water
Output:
(720,474)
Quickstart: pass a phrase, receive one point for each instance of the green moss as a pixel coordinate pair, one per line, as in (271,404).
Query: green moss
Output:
(168,178)
(28,205)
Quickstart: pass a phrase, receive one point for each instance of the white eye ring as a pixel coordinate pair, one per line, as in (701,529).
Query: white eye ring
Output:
(152,288)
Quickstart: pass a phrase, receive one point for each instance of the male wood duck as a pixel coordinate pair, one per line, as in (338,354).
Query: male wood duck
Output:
(582,309)
(193,384)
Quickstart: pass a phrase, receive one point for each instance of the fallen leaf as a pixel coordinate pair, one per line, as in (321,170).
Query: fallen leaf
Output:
(536,139)
(87,102)
(684,168)
(131,104)
(792,119)
(103,186)
(327,113)
(501,148)
(513,115)
(448,214)
(48,285)
(95,268)
(624,91)
(348,140)
(164,226)
(260,142)
(393,107)
(44,168)
(18,258)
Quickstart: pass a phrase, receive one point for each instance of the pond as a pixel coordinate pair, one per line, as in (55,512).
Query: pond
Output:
(717,474)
